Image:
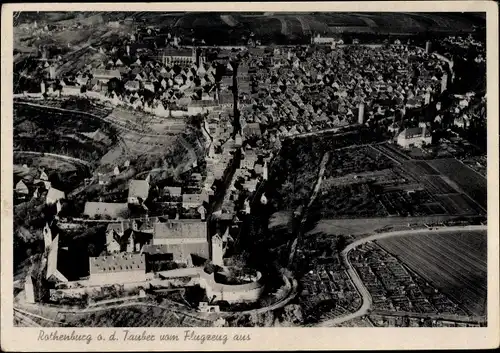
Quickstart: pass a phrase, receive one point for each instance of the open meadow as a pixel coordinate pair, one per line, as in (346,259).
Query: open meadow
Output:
(453,262)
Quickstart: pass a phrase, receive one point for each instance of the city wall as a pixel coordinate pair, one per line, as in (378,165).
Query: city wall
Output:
(231,293)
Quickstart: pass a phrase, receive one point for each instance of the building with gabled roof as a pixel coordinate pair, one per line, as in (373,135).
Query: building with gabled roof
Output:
(182,238)
(21,189)
(54,195)
(54,274)
(106,75)
(132,85)
(194,200)
(174,191)
(138,191)
(117,269)
(415,136)
(103,209)
(252,129)
(29,289)
(181,56)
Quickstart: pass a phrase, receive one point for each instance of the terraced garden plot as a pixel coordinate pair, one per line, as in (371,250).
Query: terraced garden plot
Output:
(472,183)
(453,262)
(356,160)
(354,200)
(465,205)
(148,144)
(438,185)
(448,204)
(419,169)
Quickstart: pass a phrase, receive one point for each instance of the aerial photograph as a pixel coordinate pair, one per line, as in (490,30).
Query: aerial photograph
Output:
(249,169)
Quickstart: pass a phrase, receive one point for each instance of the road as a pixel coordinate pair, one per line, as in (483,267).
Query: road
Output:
(26,318)
(60,156)
(104,119)
(363,291)
(23,320)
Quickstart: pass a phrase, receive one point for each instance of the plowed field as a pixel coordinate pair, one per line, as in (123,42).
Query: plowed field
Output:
(453,262)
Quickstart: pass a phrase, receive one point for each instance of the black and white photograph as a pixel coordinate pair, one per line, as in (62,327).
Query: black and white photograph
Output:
(187,169)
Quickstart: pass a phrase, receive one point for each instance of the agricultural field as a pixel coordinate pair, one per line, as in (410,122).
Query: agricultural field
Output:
(264,26)
(194,20)
(340,19)
(438,185)
(420,168)
(138,144)
(363,182)
(458,204)
(415,203)
(294,26)
(478,164)
(452,262)
(444,184)
(471,182)
(391,21)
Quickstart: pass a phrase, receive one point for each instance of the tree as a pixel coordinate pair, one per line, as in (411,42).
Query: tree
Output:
(340,243)
(269,319)
(293,314)
(91,250)
(115,85)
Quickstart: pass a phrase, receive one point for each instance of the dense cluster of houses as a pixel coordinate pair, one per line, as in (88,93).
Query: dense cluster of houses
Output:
(281,92)
(299,90)
(174,82)
(467,43)
(38,188)
(465,109)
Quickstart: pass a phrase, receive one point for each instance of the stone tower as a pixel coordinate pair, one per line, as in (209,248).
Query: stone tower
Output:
(217,250)
(361,113)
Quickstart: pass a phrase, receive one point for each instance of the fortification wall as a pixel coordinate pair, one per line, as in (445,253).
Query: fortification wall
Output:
(231,293)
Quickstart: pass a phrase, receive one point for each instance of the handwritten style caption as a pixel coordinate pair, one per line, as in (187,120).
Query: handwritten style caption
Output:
(145,336)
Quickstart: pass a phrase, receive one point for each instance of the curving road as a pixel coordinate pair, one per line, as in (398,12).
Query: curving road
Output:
(358,283)
(60,156)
